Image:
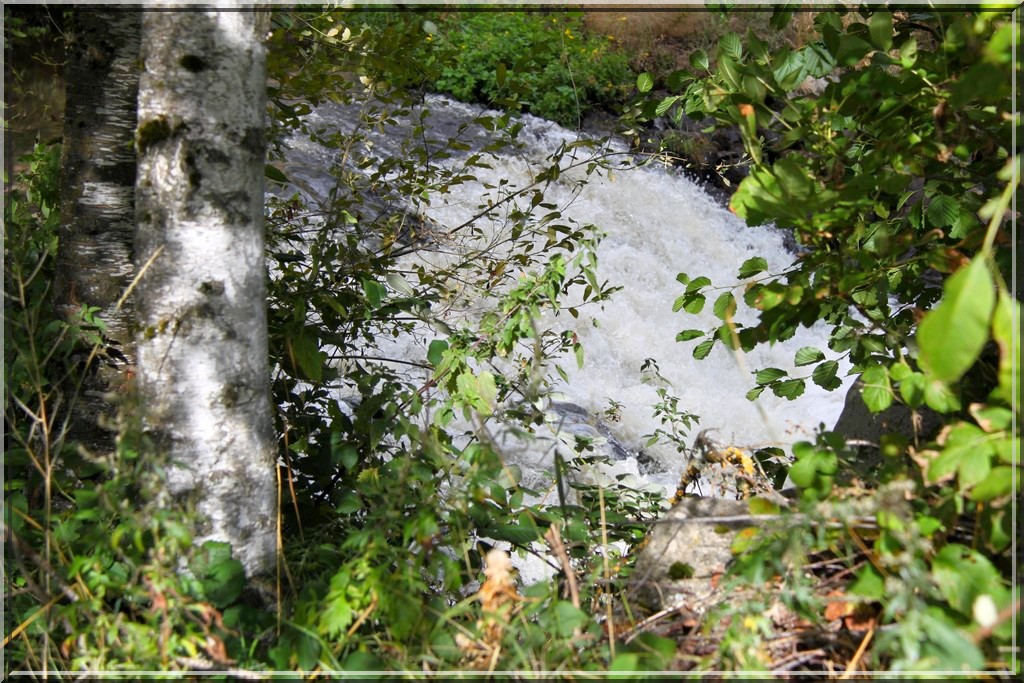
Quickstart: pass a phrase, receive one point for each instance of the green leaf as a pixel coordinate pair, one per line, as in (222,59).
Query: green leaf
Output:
(869,584)
(274,174)
(694,303)
(793,180)
(768,375)
(625,661)
(951,337)
(308,359)
(731,46)
(756,391)
(725,306)
(699,60)
(790,389)
(701,351)
(222,576)
(825,375)
(644,82)
(435,352)
(940,397)
(818,60)
(400,284)
(880,30)
(1006,333)
(752,266)
(666,104)
(519,534)
(348,503)
(567,618)
(808,355)
(997,484)
(687,335)
(962,575)
(942,211)
(968,450)
(876,390)
(912,389)
(374,292)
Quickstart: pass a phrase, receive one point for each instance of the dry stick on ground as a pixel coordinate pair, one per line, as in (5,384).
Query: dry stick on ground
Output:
(852,665)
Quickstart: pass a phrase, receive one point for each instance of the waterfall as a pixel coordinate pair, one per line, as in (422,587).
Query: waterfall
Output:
(657,223)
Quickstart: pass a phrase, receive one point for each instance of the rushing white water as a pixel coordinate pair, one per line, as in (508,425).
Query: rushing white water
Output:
(657,224)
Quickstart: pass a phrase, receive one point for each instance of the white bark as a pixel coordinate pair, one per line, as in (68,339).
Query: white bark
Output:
(202,346)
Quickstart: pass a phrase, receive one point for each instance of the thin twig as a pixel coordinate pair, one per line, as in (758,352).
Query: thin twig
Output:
(852,665)
(554,539)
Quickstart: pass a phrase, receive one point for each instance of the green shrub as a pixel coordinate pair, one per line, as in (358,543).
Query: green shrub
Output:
(897,180)
(542,62)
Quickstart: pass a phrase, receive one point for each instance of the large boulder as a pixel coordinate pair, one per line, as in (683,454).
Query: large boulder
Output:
(687,552)
(860,424)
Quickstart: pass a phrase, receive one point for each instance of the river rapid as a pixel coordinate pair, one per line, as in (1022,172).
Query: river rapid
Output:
(657,223)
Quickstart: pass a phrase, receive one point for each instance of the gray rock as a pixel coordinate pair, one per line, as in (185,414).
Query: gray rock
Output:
(689,547)
(685,551)
(858,423)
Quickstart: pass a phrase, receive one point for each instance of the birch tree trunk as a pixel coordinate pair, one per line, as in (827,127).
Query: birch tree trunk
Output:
(94,258)
(203,369)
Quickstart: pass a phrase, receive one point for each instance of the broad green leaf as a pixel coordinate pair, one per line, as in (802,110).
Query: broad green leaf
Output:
(808,355)
(825,375)
(818,60)
(869,584)
(273,173)
(308,359)
(793,180)
(687,335)
(752,266)
(945,646)
(694,303)
(348,503)
(968,451)
(912,389)
(942,211)
(625,661)
(951,336)
(699,60)
(666,104)
(697,283)
(1006,333)
(876,391)
(400,284)
(789,69)
(1008,450)
(962,574)
(701,351)
(991,418)
(756,391)
(880,30)
(768,375)
(374,292)
(488,391)
(997,484)
(725,306)
(940,397)
(644,82)
(567,618)
(520,534)
(435,352)
(731,46)
(790,389)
